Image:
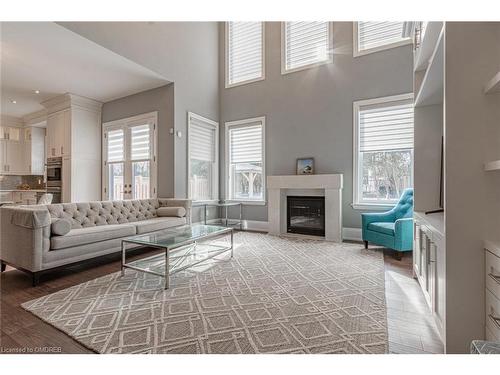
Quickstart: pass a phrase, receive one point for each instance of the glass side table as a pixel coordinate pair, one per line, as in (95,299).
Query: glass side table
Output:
(224,205)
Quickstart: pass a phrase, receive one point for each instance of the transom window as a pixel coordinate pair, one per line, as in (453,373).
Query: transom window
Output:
(203,136)
(383,149)
(244,52)
(245,160)
(305,44)
(372,37)
(129,148)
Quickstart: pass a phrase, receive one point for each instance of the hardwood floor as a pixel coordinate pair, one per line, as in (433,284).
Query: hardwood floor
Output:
(410,324)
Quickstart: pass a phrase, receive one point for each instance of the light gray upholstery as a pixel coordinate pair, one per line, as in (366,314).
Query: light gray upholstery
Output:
(60,227)
(158,223)
(85,236)
(96,229)
(171,211)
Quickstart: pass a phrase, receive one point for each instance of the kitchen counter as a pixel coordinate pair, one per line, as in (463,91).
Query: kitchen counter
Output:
(34,190)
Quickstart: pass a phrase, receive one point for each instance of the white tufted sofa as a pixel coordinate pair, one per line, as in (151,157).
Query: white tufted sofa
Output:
(96,229)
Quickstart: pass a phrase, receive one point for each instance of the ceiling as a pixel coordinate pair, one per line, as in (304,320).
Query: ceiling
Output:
(47,57)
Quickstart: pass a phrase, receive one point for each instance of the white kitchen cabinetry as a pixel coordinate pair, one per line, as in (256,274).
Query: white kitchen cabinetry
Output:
(429,263)
(74,134)
(24,197)
(59,134)
(34,151)
(12,151)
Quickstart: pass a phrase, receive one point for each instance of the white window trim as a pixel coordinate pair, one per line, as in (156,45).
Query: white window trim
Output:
(226,59)
(129,121)
(227,126)
(356,106)
(284,70)
(356,52)
(215,182)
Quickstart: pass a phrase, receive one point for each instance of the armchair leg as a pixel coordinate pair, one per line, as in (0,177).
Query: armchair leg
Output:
(366,244)
(398,255)
(3,266)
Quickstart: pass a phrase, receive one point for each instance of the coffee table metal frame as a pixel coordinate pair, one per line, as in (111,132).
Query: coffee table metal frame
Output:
(224,205)
(189,245)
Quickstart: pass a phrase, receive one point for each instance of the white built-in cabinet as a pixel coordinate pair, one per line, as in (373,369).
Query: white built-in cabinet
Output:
(429,263)
(74,134)
(22,150)
(59,134)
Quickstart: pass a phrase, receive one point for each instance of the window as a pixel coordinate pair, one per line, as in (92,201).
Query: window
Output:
(245,160)
(129,168)
(372,37)
(304,45)
(383,149)
(244,52)
(203,176)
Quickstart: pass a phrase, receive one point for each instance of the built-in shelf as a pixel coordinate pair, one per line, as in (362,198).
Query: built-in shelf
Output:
(492,246)
(493,85)
(427,45)
(492,165)
(431,89)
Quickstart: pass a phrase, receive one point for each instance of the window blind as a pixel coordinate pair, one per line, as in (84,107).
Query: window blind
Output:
(244,51)
(376,34)
(201,140)
(246,143)
(386,128)
(140,141)
(115,145)
(306,43)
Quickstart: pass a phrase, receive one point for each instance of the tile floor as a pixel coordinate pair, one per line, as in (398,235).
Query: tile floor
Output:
(411,326)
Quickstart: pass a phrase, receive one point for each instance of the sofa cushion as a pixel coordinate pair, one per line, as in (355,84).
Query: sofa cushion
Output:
(60,227)
(171,211)
(159,223)
(84,236)
(385,228)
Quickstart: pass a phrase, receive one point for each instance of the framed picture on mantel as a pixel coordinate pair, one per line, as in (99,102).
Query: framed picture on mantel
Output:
(305,166)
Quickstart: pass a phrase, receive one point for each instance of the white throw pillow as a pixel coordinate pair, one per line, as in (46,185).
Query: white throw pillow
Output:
(60,227)
(171,211)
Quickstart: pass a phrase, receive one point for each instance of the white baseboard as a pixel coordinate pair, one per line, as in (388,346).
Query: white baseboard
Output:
(351,234)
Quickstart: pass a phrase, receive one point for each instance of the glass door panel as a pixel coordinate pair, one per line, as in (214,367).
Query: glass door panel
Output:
(141,182)
(116,181)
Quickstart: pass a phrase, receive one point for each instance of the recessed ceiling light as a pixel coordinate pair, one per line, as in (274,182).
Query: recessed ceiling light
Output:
(13,101)
(37,91)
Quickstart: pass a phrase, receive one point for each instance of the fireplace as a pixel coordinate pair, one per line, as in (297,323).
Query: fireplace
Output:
(306,215)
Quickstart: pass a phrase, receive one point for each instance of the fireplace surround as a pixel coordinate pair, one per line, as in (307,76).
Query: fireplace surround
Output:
(327,185)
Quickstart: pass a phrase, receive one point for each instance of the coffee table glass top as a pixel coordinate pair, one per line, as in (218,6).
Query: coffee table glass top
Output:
(174,237)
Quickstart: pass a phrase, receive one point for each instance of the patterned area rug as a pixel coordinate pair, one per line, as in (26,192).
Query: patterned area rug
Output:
(277,295)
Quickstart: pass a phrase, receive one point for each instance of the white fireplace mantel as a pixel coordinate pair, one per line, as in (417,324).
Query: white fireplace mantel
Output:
(329,185)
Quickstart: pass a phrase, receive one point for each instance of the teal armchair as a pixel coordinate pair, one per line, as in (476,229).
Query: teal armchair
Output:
(392,229)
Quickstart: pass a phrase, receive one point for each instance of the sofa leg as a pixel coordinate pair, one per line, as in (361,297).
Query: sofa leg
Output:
(35,278)
(398,255)
(3,266)
(366,244)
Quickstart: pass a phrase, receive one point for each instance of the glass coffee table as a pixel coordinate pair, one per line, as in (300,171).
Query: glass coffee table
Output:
(183,247)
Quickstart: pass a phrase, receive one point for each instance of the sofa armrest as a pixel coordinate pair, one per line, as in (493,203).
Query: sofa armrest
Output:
(403,231)
(177,202)
(24,236)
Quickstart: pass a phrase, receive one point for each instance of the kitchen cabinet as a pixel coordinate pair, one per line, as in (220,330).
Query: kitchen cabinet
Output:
(12,151)
(59,134)
(429,263)
(24,197)
(34,151)
(74,134)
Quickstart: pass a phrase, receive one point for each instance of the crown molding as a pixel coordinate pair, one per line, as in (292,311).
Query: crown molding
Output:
(7,120)
(35,117)
(69,100)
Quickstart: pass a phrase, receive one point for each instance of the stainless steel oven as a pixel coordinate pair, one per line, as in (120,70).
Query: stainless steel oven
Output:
(54,172)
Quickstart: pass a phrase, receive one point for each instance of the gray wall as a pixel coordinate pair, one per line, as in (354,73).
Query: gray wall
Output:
(185,53)
(160,99)
(309,113)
